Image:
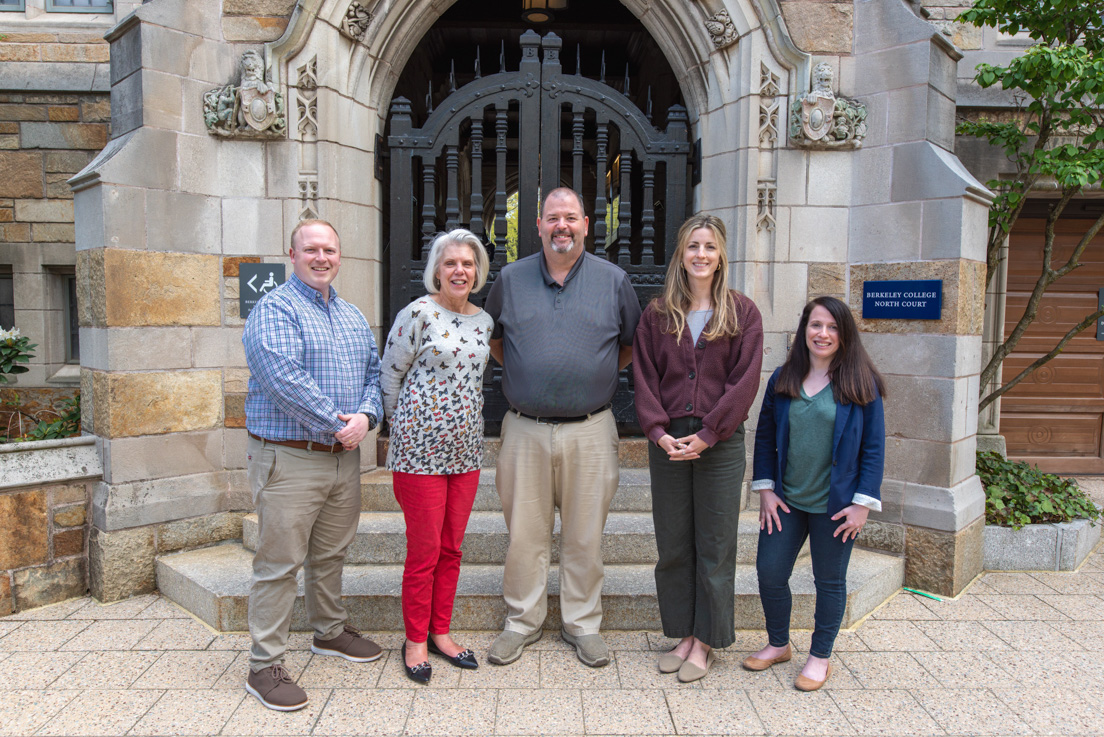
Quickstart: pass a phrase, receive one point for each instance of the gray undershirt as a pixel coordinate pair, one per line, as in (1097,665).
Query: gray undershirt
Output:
(696,320)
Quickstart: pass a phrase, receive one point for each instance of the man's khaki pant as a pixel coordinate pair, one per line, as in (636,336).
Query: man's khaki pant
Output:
(308,505)
(572,466)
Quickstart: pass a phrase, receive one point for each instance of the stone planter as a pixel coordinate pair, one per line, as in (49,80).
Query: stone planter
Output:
(1060,546)
(44,507)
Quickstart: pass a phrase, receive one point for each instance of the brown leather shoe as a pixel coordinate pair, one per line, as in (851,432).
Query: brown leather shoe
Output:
(274,688)
(801,683)
(349,645)
(753,663)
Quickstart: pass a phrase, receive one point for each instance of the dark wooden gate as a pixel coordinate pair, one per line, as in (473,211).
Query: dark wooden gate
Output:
(543,129)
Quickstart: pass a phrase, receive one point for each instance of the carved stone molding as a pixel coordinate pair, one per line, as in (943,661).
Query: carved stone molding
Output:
(251,110)
(764,217)
(308,197)
(356,21)
(768,107)
(721,29)
(821,120)
(306,97)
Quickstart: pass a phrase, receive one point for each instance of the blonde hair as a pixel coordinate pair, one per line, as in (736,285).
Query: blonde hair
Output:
(459,237)
(313,221)
(677,297)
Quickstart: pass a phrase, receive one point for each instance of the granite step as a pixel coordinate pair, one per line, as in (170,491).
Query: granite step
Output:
(632,452)
(634,492)
(213,583)
(629,537)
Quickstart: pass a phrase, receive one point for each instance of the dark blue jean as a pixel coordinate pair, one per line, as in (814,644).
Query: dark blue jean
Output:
(774,563)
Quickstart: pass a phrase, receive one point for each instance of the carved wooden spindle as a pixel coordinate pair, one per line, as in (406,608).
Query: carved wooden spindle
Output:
(578,61)
(502,58)
(478,65)
(602,72)
(429,207)
(452,76)
(577,148)
(624,211)
(429,98)
(501,126)
(648,114)
(476,221)
(600,235)
(625,87)
(452,186)
(647,216)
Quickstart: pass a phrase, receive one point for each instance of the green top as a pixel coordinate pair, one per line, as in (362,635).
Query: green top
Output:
(809,458)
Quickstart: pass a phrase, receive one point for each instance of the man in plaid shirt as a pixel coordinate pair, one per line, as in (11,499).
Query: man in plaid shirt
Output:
(314,395)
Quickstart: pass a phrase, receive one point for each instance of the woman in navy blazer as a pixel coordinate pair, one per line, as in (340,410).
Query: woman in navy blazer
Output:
(819,458)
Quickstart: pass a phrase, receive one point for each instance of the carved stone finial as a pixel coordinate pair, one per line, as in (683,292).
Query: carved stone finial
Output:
(721,29)
(254,109)
(356,21)
(820,119)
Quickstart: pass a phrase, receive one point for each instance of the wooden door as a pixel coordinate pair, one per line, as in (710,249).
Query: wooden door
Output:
(1055,417)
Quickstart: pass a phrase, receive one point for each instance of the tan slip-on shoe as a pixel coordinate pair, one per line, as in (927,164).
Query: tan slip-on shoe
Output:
(753,663)
(801,683)
(689,672)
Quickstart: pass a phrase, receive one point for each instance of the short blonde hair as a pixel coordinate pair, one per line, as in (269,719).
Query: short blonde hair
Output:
(459,237)
(313,221)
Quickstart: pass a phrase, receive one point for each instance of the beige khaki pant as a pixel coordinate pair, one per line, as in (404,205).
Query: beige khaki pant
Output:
(572,466)
(308,506)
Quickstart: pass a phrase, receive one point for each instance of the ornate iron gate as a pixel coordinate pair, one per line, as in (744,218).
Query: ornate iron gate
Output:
(548,129)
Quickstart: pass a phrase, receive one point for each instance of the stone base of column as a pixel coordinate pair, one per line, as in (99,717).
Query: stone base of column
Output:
(943,562)
(994,443)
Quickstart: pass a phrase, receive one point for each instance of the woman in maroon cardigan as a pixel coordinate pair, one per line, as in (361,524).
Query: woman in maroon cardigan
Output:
(696,360)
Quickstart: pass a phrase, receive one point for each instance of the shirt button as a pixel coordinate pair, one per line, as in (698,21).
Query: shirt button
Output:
(701,344)
(692,374)
(689,407)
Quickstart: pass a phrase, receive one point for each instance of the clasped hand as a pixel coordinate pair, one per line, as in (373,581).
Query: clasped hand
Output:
(682,449)
(356,428)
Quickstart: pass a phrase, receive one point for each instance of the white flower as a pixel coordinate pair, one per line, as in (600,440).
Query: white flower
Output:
(12,334)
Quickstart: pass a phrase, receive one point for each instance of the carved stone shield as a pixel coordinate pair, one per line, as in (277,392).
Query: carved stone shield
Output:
(816,117)
(258,110)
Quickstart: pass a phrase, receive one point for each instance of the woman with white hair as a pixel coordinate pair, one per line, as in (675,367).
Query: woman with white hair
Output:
(432,380)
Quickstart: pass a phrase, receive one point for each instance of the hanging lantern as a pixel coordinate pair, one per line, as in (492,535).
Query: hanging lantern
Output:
(541,11)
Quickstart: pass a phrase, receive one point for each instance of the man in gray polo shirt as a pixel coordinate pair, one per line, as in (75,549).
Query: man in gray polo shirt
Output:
(564,324)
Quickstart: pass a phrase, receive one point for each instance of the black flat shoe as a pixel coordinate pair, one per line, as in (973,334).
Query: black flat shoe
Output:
(465,659)
(420,673)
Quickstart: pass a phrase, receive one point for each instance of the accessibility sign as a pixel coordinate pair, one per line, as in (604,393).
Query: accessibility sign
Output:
(254,282)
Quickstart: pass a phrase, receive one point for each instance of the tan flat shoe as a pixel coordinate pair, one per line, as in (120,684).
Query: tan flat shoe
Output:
(688,672)
(753,663)
(801,683)
(670,663)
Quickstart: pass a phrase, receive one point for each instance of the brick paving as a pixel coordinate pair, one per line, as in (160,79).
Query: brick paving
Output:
(1015,654)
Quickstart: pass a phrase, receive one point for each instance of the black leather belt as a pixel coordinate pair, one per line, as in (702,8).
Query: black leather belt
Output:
(561,420)
(302,444)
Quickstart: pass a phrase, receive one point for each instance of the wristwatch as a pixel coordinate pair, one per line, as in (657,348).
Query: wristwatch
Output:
(371,420)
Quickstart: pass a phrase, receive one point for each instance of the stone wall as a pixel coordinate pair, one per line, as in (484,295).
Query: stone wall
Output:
(45,138)
(43,545)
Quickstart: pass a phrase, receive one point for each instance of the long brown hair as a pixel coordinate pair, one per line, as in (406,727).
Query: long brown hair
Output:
(855,380)
(677,297)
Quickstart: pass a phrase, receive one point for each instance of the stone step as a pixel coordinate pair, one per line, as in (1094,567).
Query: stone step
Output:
(632,451)
(213,583)
(629,537)
(634,493)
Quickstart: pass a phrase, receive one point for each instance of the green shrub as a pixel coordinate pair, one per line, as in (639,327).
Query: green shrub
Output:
(1017,494)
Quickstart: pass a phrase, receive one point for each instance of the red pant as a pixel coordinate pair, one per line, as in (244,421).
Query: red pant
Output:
(436,509)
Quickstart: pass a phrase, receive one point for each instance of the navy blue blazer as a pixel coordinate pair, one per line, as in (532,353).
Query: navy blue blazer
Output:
(858,448)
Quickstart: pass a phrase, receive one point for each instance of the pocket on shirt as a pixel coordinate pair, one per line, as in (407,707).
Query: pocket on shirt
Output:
(261,470)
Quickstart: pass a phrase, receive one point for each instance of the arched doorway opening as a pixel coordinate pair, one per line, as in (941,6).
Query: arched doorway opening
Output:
(486,117)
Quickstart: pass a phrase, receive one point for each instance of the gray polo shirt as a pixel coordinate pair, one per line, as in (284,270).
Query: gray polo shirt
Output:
(560,342)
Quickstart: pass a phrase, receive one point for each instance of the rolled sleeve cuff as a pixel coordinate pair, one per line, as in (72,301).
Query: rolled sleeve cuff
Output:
(874,505)
(762,485)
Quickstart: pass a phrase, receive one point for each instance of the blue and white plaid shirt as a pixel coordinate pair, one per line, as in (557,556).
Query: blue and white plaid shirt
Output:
(308,362)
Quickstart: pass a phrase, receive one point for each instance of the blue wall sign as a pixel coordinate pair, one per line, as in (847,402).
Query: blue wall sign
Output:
(254,282)
(920,299)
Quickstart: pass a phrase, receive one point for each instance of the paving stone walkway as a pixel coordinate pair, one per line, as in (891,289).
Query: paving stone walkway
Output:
(1016,654)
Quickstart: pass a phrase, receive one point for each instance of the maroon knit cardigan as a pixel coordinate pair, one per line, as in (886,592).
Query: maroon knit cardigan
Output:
(715,380)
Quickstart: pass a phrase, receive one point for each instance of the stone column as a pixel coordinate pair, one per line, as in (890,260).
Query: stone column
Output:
(918,214)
